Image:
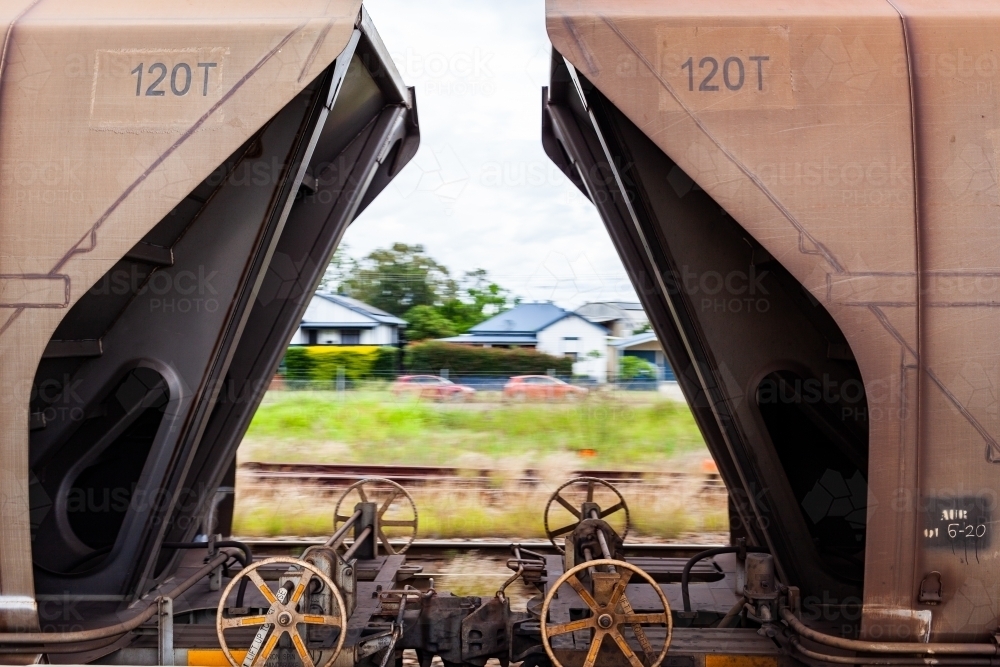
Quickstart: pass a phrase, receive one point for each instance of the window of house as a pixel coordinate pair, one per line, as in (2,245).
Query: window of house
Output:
(571,347)
(350,337)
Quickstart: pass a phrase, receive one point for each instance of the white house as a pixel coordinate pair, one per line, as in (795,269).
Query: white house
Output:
(621,318)
(332,319)
(547,328)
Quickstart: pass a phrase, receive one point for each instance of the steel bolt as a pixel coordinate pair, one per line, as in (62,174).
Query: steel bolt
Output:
(605,621)
(284,619)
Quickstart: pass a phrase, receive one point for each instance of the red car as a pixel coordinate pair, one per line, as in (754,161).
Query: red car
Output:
(432,387)
(544,387)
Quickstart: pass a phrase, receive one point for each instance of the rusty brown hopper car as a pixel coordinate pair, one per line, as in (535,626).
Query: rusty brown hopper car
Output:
(805,195)
(176,177)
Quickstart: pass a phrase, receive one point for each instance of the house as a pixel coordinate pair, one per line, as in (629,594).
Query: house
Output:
(547,328)
(621,318)
(645,346)
(332,319)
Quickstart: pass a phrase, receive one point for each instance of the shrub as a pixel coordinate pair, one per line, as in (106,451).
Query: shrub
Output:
(431,357)
(298,364)
(636,368)
(387,361)
(321,363)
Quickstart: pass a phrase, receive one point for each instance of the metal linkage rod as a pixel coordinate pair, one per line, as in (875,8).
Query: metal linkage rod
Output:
(358,541)
(339,535)
(118,629)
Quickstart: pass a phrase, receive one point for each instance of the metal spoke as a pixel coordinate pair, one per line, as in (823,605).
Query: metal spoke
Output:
(258,640)
(385,541)
(595,647)
(573,626)
(569,507)
(590,490)
(635,619)
(583,593)
(633,659)
(361,492)
(619,589)
(265,652)
(317,619)
(241,621)
(264,588)
(284,602)
(562,531)
(388,501)
(301,588)
(612,510)
(300,648)
(392,523)
(340,517)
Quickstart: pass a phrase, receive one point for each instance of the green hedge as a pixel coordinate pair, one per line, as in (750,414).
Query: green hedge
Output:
(320,363)
(431,357)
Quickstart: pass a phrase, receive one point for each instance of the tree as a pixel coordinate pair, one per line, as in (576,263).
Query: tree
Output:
(341,267)
(399,278)
(478,299)
(425,322)
(404,281)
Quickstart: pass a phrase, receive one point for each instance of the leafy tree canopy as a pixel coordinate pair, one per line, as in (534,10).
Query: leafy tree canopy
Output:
(406,282)
(394,279)
(425,322)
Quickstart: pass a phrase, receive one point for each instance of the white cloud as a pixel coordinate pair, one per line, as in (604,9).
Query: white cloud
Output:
(481,193)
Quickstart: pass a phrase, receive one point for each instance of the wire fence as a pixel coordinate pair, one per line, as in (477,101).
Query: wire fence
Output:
(400,381)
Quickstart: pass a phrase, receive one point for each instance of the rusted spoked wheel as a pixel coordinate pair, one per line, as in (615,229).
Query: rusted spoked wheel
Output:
(610,615)
(571,496)
(391,514)
(283,616)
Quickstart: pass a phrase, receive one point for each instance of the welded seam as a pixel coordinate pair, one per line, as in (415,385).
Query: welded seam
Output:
(917,236)
(10,31)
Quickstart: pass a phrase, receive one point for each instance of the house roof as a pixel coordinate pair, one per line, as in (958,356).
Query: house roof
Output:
(608,311)
(339,325)
(492,339)
(632,341)
(525,318)
(361,308)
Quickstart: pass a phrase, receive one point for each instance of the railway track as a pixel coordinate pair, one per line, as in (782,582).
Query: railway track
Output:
(436,549)
(335,475)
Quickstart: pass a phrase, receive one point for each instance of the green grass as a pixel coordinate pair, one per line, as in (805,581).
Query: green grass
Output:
(661,513)
(626,430)
(370,426)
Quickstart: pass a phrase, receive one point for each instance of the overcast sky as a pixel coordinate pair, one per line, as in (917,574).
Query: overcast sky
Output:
(480,192)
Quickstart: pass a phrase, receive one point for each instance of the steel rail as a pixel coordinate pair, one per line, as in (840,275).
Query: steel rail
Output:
(336,472)
(434,547)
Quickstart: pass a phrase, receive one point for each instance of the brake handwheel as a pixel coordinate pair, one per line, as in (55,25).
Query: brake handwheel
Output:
(384,492)
(609,611)
(283,615)
(586,488)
